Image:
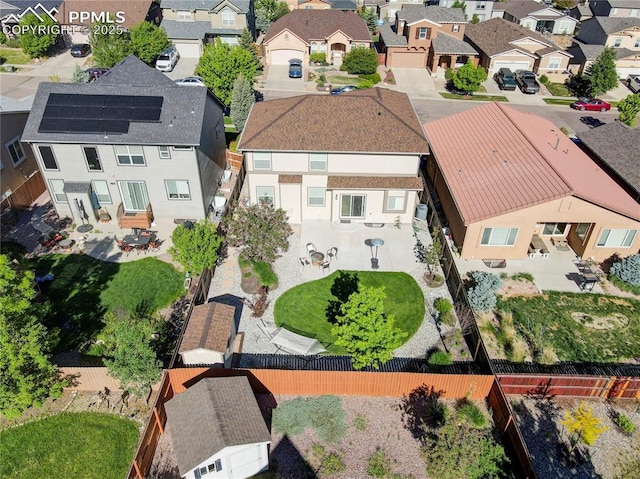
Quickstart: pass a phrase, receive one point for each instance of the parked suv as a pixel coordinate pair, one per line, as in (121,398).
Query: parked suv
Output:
(633,82)
(505,80)
(167,59)
(295,68)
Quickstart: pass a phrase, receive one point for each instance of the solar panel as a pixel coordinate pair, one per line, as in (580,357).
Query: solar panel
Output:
(94,100)
(53,125)
(145,114)
(84,126)
(119,100)
(58,111)
(114,126)
(89,112)
(116,113)
(61,99)
(148,102)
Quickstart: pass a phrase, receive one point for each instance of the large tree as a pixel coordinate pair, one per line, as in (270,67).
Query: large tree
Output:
(36,43)
(246,42)
(368,334)
(242,100)
(109,48)
(196,247)
(268,11)
(360,61)
(26,375)
(370,17)
(221,64)
(629,109)
(602,73)
(148,41)
(260,230)
(469,77)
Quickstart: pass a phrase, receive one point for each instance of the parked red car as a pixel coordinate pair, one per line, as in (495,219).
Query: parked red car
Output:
(591,104)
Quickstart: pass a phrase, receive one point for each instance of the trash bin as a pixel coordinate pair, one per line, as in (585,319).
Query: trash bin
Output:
(421,211)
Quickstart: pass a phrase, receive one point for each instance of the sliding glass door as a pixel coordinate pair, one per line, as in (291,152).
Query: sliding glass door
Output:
(352,206)
(134,195)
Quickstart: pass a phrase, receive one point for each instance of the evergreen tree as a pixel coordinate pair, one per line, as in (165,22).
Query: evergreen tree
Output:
(370,18)
(246,42)
(602,73)
(79,75)
(242,99)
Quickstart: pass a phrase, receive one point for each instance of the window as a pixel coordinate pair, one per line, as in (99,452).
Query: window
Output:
(57,188)
(219,128)
(394,201)
(182,147)
(554,229)
(49,161)
(581,230)
(228,17)
(184,16)
(91,155)
(352,206)
(314,47)
(178,189)
(423,33)
(101,190)
(499,236)
(261,160)
(637,43)
(481,5)
(15,150)
(134,195)
(455,28)
(317,162)
(635,12)
(481,17)
(315,196)
(616,237)
(618,42)
(323,47)
(129,155)
(554,63)
(165,152)
(266,194)
(613,11)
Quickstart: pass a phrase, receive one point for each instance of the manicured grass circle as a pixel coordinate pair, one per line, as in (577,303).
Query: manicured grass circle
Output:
(302,309)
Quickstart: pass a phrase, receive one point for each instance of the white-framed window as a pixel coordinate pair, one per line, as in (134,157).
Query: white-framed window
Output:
(182,147)
(178,189)
(14,147)
(394,202)
(266,194)
(317,162)
(314,47)
(323,47)
(481,5)
(582,229)
(184,16)
(92,158)
(57,188)
(134,195)
(554,229)
(261,160)
(423,33)
(228,17)
(101,190)
(165,152)
(48,158)
(637,43)
(352,206)
(499,236)
(613,11)
(455,28)
(201,472)
(316,196)
(618,42)
(129,155)
(635,12)
(610,238)
(554,63)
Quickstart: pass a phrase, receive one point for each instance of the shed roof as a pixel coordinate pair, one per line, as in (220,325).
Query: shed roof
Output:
(319,24)
(508,160)
(211,415)
(209,327)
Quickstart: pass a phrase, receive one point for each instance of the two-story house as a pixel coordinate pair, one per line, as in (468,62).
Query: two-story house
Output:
(192,23)
(17,161)
(482,9)
(387,9)
(133,143)
(538,17)
(426,37)
(344,5)
(615,8)
(303,32)
(343,158)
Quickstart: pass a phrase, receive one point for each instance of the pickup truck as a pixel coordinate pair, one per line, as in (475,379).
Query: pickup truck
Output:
(633,82)
(527,81)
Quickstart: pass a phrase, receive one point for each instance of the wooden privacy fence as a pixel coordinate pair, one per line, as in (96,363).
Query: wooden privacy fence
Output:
(26,193)
(571,386)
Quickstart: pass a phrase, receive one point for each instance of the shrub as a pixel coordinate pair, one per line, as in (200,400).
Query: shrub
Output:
(360,60)
(378,464)
(624,423)
(3,38)
(448,75)
(440,358)
(373,77)
(628,270)
(318,57)
(522,277)
(468,411)
(544,79)
(482,295)
(291,418)
(365,84)
(445,308)
(13,43)
(333,464)
(360,422)
(327,417)
(548,355)
(265,274)
(519,350)
(259,304)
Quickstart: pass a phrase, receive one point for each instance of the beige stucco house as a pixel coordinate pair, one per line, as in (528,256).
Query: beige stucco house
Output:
(524,177)
(302,32)
(345,5)
(539,17)
(503,44)
(344,158)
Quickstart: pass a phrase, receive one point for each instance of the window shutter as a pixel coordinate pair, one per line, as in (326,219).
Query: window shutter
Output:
(428,33)
(417,33)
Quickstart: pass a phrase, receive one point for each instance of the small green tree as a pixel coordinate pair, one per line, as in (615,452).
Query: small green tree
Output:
(246,42)
(196,248)
(602,73)
(360,61)
(36,43)
(367,333)
(109,48)
(462,5)
(469,77)
(242,99)
(583,426)
(148,41)
(475,19)
(629,109)
(79,75)
(3,38)
(261,230)
(432,254)
(370,18)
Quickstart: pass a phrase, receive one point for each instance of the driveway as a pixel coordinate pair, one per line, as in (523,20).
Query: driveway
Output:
(415,82)
(184,68)
(277,78)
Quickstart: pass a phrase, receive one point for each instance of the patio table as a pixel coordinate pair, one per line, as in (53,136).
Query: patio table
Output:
(137,240)
(317,258)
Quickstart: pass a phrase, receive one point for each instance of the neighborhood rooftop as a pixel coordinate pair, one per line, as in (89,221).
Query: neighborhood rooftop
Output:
(209,327)
(319,24)
(416,13)
(616,24)
(373,121)
(511,160)
(495,36)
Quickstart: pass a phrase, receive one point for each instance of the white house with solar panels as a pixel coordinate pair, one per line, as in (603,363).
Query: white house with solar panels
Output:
(133,143)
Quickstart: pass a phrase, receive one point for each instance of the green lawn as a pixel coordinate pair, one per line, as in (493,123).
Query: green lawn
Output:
(453,96)
(14,56)
(78,445)
(558,89)
(557,101)
(573,340)
(85,288)
(343,80)
(302,309)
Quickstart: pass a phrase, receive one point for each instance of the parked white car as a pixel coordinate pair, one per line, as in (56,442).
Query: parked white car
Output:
(167,59)
(633,82)
(191,81)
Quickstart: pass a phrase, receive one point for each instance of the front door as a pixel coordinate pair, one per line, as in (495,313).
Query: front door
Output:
(352,206)
(134,195)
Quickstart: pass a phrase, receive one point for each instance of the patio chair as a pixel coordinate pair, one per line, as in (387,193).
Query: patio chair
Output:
(311,248)
(304,262)
(155,243)
(124,247)
(326,265)
(332,253)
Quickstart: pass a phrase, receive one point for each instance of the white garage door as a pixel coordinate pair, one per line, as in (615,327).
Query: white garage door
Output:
(513,66)
(282,57)
(625,72)
(188,50)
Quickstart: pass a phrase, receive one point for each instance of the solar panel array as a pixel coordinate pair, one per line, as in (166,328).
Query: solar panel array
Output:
(75,113)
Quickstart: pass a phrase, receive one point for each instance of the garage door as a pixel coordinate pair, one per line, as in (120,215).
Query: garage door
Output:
(513,66)
(407,60)
(188,50)
(282,57)
(625,72)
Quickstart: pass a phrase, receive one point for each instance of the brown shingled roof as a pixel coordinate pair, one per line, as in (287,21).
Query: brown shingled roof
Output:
(291,179)
(496,36)
(319,24)
(374,182)
(134,11)
(375,120)
(508,160)
(209,327)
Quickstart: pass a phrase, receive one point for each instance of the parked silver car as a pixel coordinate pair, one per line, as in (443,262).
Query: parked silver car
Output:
(633,82)
(167,59)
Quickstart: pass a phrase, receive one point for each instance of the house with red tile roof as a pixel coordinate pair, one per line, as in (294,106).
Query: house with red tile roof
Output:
(346,158)
(513,175)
